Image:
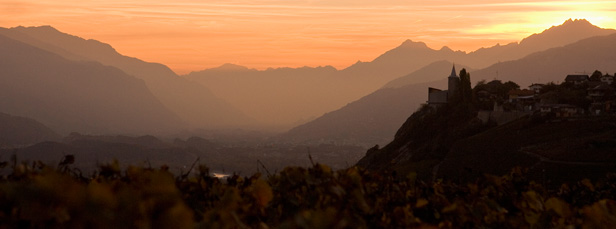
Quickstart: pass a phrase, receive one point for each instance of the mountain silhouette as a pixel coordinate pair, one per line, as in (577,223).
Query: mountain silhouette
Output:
(349,122)
(569,32)
(19,131)
(588,55)
(77,96)
(191,101)
(318,92)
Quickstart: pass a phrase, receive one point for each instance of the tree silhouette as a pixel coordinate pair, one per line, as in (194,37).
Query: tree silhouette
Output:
(466,93)
(596,76)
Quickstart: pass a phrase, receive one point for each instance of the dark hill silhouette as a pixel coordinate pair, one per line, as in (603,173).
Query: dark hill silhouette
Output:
(556,151)
(19,131)
(325,91)
(76,95)
(191,101)
(454,145)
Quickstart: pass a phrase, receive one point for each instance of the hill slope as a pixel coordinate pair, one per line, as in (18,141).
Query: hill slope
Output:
(191,101)
(15,131)
(76,96)
(374,118)
(452,143)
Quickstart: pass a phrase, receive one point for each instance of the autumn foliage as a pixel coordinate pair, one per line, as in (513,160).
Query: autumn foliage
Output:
(38,196)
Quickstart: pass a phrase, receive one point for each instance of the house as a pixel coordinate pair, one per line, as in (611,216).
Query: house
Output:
(577,79)
(516,94)
(602,97)
(560,110)
(438,97)
(607,79)
(536,87)
(522,100)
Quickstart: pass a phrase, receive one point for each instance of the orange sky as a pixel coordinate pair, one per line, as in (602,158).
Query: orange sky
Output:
(190,35)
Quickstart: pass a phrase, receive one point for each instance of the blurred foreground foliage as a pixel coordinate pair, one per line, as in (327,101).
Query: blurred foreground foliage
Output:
(33,195)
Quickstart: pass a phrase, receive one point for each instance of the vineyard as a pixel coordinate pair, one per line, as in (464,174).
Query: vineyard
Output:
(33,195)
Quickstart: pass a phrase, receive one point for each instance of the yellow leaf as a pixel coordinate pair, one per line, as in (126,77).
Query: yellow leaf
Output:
(450,208)
(421,203)
(262,192)
(559,206)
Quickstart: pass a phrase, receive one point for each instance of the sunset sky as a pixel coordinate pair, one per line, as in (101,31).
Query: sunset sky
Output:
(190,35)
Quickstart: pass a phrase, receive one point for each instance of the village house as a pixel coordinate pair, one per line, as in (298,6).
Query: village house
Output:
(523,100)
(577,79)
(536,87)
(561,110)
(607,79)
(602,97)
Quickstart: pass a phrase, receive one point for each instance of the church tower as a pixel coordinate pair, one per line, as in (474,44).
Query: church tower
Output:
(454,83)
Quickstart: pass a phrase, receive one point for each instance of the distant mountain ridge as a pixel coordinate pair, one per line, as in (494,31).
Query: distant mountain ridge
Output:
(191,101)
(346,124)
(352,83)
(19,131)
(80,96)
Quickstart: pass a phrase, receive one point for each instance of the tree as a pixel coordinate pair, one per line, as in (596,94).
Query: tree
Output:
(596,76)
(466,93)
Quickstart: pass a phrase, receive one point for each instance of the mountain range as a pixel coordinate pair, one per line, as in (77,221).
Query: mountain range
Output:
(293,95)
(72,84)
(20,131)
(192,102)
(353,123)
(83,96)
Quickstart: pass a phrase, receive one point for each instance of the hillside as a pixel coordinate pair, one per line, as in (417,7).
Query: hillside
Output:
(370,120)
(16,131)
(191,101)
(451,143)
(79,96)
(558,151)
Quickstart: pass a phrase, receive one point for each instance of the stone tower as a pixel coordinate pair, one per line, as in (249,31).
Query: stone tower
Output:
(454,83)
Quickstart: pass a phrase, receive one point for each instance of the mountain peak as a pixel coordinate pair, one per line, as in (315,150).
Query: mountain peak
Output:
(412,44)
(48,28)
(570,31)
(577,22)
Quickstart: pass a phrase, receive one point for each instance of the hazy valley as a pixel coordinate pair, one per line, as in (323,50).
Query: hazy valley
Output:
(278,116)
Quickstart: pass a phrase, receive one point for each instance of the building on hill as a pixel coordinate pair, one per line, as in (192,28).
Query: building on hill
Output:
(577,79)
(438,97)
(453,83)
(536,87)
(602,97)
(607,79)
(560,110)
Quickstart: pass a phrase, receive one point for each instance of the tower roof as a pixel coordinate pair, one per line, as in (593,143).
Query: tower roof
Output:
(453,72)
